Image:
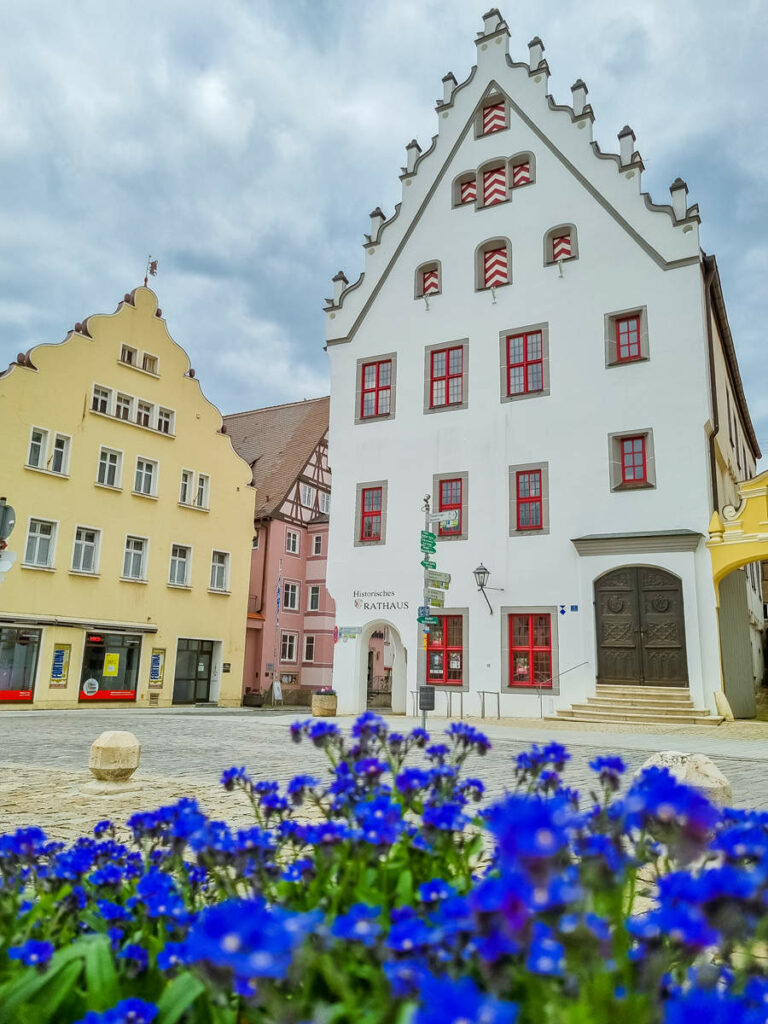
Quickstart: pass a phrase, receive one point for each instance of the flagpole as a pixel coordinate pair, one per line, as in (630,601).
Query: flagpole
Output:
(277,626)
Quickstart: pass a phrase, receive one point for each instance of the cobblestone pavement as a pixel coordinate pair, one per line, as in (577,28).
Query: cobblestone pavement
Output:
(44,758)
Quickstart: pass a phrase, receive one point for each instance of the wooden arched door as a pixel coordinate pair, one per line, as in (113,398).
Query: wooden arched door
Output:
(640,627)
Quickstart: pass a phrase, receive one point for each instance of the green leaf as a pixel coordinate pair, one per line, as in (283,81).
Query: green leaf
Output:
(54,994)
(404,890)
(178,996)
(22,990)
(100,975)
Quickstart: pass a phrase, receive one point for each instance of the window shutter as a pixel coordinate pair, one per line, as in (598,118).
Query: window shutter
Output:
(521,175)
(493,118)
(495,267)
(469,191)
(494,186)
(561,247)
(430,282)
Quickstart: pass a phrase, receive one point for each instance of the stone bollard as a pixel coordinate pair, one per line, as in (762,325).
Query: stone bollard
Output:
(696,770)
(114,758)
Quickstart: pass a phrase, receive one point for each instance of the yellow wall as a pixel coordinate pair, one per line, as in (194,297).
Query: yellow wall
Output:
(57,396)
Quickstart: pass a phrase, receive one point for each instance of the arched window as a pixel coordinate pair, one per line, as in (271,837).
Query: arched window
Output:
(492,182)
(492,117)
(561,244)
(428,279)
(493,264)
(522,170)
(465,189)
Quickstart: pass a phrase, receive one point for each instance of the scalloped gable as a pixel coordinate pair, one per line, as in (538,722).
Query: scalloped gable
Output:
(668,234)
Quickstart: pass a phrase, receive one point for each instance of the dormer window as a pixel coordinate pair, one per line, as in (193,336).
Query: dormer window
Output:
(494,117)
(494,186)
(428,280)
(493,264)
(560,244)
(522,170)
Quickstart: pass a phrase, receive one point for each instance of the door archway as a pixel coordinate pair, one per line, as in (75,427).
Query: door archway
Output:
(640,626)
(382,680)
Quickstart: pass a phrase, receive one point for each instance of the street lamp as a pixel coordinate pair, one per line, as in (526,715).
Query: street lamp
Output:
(481,575)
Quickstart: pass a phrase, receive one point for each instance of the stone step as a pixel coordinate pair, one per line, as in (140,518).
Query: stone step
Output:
(672,692)
(696,718)
(606,708)
(642,702)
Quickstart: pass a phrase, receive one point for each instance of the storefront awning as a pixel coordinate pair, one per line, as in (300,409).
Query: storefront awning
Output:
(63,620)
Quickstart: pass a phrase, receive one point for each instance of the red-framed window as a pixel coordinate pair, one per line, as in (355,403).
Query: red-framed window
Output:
(529,498)
(446,377)
(521,174)
(468,191)
(376,391)
(525,363)
(494,186)
(445,652)
(634,467)
(450,498)
(430,282)
(370,513)
(561,247)
(530,650)
(494,119)
(628,338)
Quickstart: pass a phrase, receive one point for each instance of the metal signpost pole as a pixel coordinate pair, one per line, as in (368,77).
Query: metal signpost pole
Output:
(422,681)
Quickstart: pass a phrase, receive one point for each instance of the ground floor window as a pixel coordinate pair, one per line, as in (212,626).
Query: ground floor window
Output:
(530,650)
(192,677)
(110,666)
(445,652)
(19,649)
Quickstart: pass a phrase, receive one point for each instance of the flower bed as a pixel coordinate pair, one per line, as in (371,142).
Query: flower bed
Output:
(384,895)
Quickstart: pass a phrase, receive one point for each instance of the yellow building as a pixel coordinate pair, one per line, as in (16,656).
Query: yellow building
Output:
(134,522)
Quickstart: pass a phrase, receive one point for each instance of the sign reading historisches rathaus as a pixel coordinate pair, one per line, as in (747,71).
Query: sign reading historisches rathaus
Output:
(379,601)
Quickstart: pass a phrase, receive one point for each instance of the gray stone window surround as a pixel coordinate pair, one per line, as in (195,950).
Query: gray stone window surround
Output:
(553,233)
(529,329)
(611,347)
(436,479)
(497,163)
(418,278)
(392,357)
(525,467)
(458,181)
(359,511)
(529,691)
(614,460)
(491,243)
(462,343)
(491,101)
(524,157)
(464,688)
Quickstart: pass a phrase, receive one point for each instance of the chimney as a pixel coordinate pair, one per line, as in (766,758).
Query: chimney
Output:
(449,84)
(626,145)
(491,21)
(579,90)
(377,219)
(535,52)
(340,282)
(679,192)
(412,151)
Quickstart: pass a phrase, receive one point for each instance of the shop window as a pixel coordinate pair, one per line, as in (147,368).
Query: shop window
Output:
(220,571)
(41,543)
(19,651)
(530,651)
(85,554)
(445,651)
(110,666)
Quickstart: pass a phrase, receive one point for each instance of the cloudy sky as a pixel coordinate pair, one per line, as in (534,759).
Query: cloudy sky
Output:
(243,143)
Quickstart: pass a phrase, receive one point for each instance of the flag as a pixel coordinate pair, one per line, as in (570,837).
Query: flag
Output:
(279,588)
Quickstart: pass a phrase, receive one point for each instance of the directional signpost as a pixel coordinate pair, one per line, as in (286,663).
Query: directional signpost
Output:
(428,542)
(448,518)
(429,565)
(436,598)
(428,620)
(438,577)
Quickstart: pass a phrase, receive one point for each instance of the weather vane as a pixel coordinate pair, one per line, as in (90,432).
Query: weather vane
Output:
(151,269)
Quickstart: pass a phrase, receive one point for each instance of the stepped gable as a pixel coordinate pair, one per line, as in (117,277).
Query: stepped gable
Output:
(277,442)
(668,233)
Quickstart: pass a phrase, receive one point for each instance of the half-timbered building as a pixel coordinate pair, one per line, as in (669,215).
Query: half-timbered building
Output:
(290,613)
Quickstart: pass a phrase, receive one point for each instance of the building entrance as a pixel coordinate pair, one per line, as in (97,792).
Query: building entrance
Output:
(192,679)
(640,627)
(379,675)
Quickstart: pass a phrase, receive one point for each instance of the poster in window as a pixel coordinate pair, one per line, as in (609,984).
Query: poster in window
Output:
(454,661)
(111,664)
(157,667)
(60,665)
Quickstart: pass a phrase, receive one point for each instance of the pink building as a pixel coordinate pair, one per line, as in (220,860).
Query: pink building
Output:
(290,638)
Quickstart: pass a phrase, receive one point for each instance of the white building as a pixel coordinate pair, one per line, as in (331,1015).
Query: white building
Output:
(535,343)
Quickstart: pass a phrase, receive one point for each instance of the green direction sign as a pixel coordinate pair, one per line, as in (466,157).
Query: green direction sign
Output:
(428,565)
(428,620)
(427,535)
(428,547)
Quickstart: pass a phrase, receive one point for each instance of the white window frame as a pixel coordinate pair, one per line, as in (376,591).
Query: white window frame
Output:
(144,558)
(317,544)
(227,564)
(187,477)
(287,635)
(43,457)
(204,480)
(162,411)
(305,658)
(123,401)
(51,559)
(307,493)
(96,550)
(174,561)
(292,550)
(64,471)
(313,589)
(148,355)
(134,360)
(295,604)
(118,469)
(108,396)
(148,411)
(325,502)
(154,474)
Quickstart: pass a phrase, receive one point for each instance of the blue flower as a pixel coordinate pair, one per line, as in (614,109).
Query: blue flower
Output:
(101,827)
(410,934)
(405,977)
(111,911)
(447,817)
(445,1001)
(411,780)
(369,724)
(136,958)
(298,871)
(127,1011)
(358,924)
(235,776)
(298,786)
(609,770)
(545,955)
(173,954)
(371,767)
(465,735)
(436,890)
(420,737)
(33,953)
(530,830)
